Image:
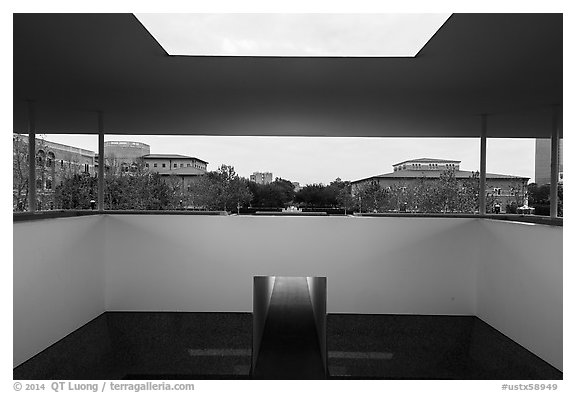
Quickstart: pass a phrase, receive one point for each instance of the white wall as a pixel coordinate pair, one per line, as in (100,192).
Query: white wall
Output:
(58,280)
(372,265)
(67,271)
(519,281)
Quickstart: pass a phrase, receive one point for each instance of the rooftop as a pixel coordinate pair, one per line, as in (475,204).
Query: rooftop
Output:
(417,174)
(431,160)
(168,156)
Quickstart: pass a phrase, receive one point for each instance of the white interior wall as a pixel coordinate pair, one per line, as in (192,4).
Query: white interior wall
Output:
(372,265)
(519,281)
(67,271)
(58,280)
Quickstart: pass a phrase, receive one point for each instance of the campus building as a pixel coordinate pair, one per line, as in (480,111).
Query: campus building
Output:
(261,177)
(54,162)
(504,189)
(174,163)
(187,169)
(128,155)
(124,152)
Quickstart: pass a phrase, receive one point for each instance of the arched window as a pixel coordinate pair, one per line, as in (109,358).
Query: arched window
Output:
(50,160)
(40,157)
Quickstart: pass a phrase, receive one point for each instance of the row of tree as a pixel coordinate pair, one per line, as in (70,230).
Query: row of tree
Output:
(539,199)
(224,189)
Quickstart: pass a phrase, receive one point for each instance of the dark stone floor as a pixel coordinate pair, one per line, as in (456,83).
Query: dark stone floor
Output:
(174,345)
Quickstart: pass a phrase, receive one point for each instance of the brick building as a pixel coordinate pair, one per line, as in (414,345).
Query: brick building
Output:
(124,153)
(504,189)
(173,163)
(54,162)
(261,177)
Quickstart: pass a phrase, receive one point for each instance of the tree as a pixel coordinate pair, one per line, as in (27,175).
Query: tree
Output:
(19,173)
(76,192)
(312,195)
(279,193)
(468,196)
(539,198)
(345,199)
(371,197)
(221,190)
(44,173)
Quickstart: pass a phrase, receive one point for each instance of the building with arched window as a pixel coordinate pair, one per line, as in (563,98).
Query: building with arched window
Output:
(54,162)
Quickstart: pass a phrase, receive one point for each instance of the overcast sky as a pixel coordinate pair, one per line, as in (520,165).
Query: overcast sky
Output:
(329,34)
(310,160)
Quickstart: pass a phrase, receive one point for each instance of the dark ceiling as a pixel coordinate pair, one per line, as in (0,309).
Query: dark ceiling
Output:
(508,66)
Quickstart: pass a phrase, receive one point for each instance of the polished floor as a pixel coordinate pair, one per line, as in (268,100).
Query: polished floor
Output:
(173,345)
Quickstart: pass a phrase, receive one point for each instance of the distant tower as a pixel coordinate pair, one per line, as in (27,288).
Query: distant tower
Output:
(261,177)
(542,162)
(125,150)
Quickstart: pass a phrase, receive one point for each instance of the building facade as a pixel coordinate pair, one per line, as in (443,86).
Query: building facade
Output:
(542,160)
(125,152)
(502,189)
(54,162)
(167,163)
(261,177)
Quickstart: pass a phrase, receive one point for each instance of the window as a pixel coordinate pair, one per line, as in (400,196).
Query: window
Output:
(50,160)
(48,184)
(187,165)
(497,191)
(163,165)
(147,165)
(175,165)
(61,163)
(181,165)
(155,165)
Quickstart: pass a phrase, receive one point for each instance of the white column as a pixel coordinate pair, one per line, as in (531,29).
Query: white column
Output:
(100,161)
(31,158)
(555,136)
(482,191)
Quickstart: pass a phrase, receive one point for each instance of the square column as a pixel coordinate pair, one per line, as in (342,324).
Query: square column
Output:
(31,158)
(482,190)
(554,148)
(100,161)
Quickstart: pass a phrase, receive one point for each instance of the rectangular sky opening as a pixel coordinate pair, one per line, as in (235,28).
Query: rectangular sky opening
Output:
(293,35)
